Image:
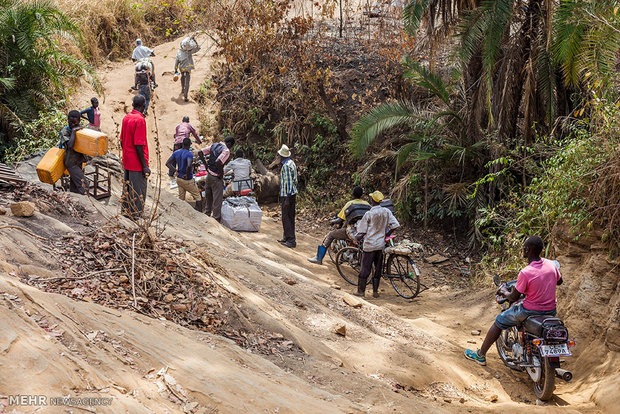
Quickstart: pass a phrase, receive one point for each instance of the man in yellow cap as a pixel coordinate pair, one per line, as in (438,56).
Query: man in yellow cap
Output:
(374,227)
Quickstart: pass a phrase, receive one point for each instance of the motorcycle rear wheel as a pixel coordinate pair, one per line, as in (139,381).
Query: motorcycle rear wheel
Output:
(546,384)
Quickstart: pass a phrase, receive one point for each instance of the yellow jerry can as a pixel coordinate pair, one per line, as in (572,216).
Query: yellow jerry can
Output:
(52,166)
(90,142)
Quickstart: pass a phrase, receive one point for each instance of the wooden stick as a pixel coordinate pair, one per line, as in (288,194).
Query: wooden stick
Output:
(76,278)
(9,226)
(133,261)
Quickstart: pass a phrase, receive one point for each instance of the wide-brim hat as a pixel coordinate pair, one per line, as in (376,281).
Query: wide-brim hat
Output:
(284,151)
(377,196)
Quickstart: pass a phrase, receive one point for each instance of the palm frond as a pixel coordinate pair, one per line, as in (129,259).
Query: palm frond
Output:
(426,78)
(378,120)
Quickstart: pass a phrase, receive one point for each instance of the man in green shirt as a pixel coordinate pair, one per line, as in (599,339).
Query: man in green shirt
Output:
(340,233)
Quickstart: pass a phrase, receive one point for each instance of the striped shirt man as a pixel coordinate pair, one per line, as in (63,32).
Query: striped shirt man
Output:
(288,178)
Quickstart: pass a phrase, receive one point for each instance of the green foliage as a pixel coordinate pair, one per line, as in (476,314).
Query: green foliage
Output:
(322,155)
(35,48)
(40,134)
(586,41)
(565,191)
(39,48)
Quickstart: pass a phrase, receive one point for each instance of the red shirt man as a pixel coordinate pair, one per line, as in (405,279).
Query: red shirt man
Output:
(133,132)
(135,160)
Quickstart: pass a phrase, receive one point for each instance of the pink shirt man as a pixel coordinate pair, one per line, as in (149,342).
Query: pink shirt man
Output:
(224,155)
(538,282)
(184,130)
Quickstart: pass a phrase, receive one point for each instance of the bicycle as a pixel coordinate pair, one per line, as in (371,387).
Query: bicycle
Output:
(398,268)
(335,247)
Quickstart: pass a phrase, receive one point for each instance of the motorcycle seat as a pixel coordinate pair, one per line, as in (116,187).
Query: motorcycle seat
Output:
(535,324)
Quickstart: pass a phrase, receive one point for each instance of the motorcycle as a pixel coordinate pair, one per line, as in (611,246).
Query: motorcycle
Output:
(535,346)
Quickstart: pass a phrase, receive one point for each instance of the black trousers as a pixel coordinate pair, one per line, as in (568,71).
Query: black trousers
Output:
(214,196)
(134,194)
(78,182)
(369,259)
(288,217)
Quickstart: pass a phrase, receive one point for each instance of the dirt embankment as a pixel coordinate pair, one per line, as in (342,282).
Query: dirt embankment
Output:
(590,306)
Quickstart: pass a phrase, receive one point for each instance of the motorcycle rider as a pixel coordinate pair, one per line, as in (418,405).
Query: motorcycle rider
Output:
(340,233)
(537,281)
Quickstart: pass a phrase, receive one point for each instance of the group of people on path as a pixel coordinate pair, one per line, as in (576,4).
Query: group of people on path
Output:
(144,77)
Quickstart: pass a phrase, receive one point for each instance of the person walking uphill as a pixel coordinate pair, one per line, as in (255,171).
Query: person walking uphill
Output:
(135,160)
(288,195)
(183,159)
(73,160)
(218,153)
(184,62)
(182,131)
(142,83)
(374,227)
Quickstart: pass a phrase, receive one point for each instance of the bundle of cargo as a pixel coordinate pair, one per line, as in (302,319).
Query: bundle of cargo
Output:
(241,214)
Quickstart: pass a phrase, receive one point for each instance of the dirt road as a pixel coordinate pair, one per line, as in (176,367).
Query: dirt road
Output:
(397,355)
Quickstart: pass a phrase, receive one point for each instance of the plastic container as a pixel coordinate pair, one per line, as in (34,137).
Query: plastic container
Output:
(90,142)
(52,166)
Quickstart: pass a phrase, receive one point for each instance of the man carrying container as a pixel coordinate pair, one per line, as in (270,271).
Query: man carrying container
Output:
(73,160)
(181,162)
(373,228)
(184,62)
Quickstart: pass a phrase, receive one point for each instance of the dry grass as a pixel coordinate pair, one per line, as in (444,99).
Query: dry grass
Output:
(110,27)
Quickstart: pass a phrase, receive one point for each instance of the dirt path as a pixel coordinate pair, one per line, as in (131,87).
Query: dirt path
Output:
(397,355)
(167,107)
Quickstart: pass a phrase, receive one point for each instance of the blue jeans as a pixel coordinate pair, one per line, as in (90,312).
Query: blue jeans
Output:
(515,315)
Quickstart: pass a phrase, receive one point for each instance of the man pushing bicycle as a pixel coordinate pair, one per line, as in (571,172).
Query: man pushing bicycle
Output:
(377,224)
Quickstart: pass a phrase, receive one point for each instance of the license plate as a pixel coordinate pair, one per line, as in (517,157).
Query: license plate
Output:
(554,350)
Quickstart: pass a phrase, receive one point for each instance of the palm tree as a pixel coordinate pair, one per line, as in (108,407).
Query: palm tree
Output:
(39,48)
(435,133)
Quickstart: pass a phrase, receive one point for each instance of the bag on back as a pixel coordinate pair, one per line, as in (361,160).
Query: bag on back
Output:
(355,212)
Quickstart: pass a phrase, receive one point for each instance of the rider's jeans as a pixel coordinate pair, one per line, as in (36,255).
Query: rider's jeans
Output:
(515,315)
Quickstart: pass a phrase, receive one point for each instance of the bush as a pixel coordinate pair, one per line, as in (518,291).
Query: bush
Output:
(579,187)
(40,134)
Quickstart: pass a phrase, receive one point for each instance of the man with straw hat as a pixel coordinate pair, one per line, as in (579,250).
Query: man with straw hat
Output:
(288,193)
(374,227)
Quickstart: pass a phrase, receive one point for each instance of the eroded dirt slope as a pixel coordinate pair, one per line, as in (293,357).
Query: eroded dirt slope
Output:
(397,355)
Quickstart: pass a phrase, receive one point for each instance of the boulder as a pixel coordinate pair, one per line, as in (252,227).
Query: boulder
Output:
(23,209)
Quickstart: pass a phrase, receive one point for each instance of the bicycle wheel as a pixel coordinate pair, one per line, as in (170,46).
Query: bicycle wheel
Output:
(348,263)
(404,275)
(335,248)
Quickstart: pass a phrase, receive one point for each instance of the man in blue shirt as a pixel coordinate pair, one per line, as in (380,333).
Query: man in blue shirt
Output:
(181,162)
(288,194)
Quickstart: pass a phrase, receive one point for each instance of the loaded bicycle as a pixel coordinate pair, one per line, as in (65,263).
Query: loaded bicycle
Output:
(397,267)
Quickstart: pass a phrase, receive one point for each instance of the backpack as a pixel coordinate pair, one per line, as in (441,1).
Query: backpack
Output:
(387,203)
(355,212)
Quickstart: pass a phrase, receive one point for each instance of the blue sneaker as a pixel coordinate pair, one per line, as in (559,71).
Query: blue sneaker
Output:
(473,355)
